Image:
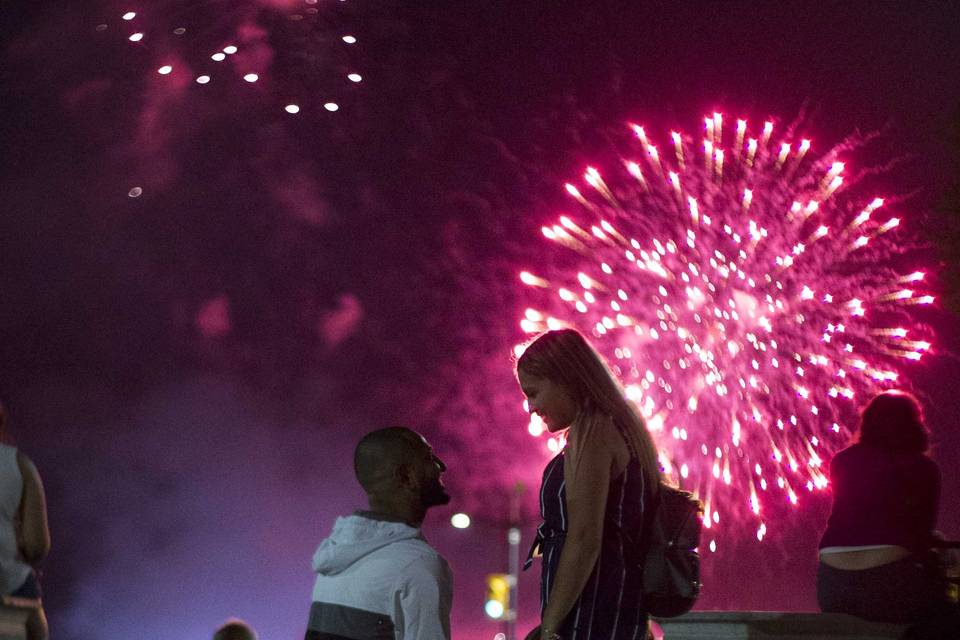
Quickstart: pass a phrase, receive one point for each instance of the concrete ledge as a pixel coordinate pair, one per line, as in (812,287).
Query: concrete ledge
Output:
(774,625)
(13,617)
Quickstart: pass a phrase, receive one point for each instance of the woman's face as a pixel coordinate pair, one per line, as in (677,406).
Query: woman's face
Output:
(549,400)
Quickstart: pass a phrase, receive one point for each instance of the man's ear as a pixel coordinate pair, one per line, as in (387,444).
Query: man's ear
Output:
(403,475)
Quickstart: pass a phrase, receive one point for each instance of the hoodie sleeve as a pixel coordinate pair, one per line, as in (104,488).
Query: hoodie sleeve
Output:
(426,597)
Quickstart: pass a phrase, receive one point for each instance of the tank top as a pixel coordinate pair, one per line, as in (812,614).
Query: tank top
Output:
(13,570)
(609,606)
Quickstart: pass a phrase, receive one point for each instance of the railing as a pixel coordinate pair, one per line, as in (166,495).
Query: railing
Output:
(774,625)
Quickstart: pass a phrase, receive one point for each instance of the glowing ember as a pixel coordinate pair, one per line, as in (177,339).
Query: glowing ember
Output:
(748,301)
(244,31)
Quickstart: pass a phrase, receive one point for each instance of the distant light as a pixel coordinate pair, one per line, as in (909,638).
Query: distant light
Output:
(130,15)
(179,31)
(292,108)
(203,79)
(460,520)
(219,57)
(101,27)
(331,106)
(251,77)
(349,39)
(135,192)
(136,37)
(354,77)
(165,70)
(230,49)
(536,426)
(494,609)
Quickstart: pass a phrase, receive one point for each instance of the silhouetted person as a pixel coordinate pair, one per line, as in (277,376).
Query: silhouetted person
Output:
(377,578)
(875,559)
(235,629)
(24,534)
(593,494)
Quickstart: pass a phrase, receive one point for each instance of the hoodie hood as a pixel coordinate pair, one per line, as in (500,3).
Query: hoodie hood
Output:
(355,537)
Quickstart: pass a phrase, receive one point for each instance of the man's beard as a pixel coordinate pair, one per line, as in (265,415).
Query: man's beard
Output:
(433,494)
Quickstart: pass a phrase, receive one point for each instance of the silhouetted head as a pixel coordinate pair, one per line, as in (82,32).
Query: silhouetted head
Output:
(235,629)
(893,421)
(397,460)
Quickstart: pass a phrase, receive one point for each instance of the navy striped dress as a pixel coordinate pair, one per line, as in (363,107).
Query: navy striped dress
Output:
(609,607)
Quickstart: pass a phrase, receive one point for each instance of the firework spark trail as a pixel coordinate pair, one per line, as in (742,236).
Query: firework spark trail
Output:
(749,299)
(237,34)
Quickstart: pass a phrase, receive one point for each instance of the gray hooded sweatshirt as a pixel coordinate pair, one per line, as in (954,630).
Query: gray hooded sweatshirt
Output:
(379,580)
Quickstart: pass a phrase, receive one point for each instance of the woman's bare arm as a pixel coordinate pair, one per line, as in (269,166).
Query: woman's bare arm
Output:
(34,534)
(587,471)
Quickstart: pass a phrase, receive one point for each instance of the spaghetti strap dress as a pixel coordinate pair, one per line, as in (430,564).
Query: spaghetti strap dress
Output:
(609,608)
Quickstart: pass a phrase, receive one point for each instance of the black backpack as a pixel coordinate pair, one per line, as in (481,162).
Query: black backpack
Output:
(668,562)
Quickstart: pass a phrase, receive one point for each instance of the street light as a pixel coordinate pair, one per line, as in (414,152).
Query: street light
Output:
(498,595)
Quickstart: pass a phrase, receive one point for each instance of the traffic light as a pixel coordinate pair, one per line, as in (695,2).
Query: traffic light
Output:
(498,596)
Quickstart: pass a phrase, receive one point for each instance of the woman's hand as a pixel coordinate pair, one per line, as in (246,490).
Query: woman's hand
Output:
(533,635)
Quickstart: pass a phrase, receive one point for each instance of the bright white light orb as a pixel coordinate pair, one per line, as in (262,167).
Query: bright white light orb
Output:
(460,520)
(165,70)
(292,108)
(331,106)
(494,609)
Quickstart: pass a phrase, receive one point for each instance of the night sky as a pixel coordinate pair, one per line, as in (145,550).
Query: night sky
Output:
(191,367)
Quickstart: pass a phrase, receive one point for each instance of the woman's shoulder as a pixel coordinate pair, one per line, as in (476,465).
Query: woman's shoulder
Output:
(859,454)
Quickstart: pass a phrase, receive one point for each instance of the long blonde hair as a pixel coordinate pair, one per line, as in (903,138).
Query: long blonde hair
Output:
(565,357)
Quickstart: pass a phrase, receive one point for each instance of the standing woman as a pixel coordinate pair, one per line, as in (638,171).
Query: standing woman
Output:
(24,536)
(593,492)
(886,493)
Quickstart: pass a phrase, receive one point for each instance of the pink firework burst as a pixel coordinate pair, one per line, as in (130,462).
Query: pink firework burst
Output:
(750,300)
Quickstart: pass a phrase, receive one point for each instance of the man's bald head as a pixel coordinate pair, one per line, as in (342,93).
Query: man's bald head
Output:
(235,629)
(380,452)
